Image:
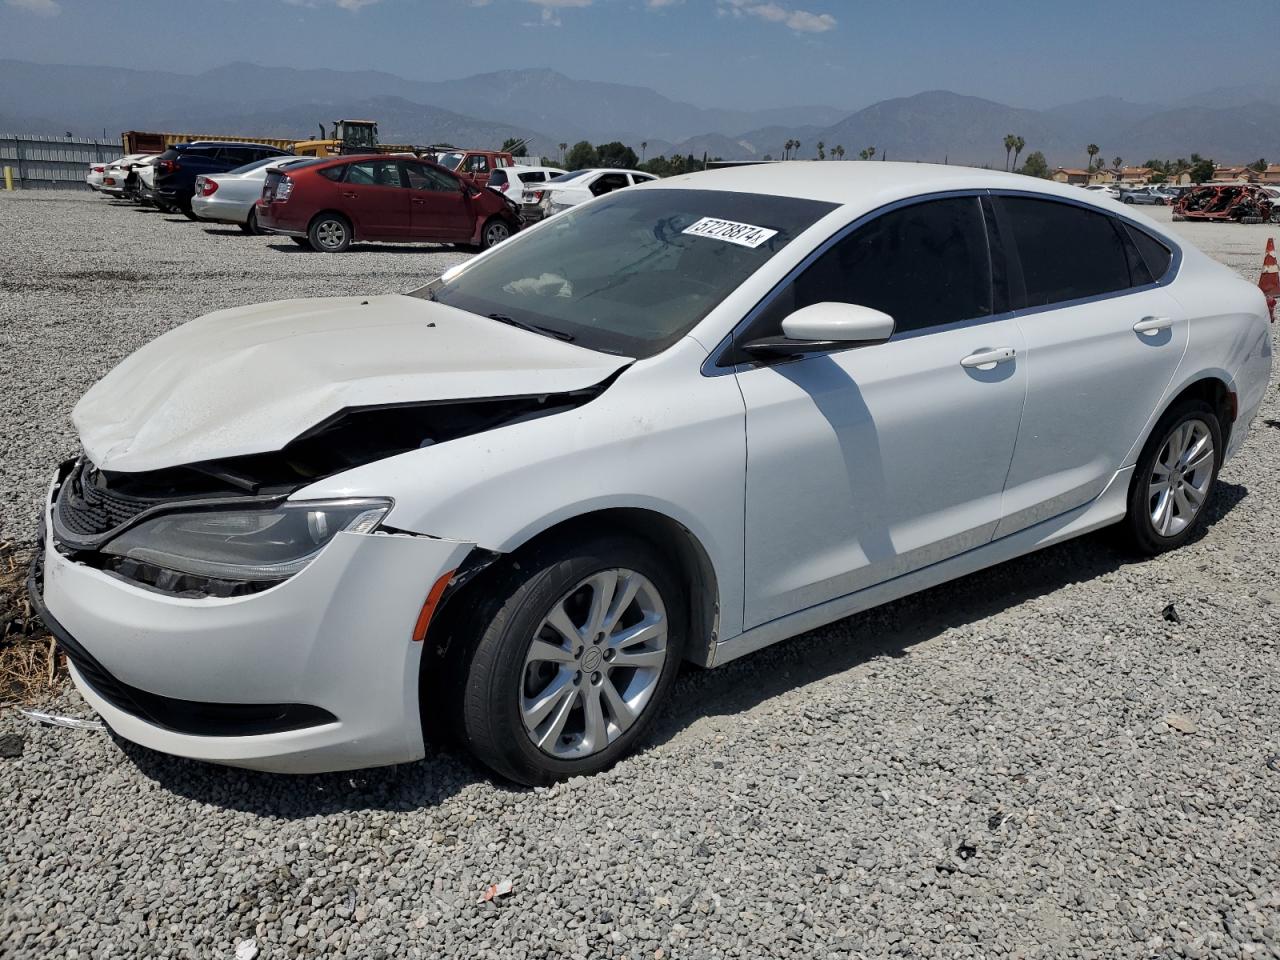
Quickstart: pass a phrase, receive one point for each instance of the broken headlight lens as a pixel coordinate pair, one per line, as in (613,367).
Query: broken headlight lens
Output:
(269,544)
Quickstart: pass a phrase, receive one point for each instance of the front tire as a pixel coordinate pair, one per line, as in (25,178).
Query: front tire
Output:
(329,233)
(572,654)
(495,230)
(1174,478)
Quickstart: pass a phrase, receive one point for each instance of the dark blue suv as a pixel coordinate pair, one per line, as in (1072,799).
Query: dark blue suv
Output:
(178,167)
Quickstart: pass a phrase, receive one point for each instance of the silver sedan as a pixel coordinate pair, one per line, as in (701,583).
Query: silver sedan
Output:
(230,197)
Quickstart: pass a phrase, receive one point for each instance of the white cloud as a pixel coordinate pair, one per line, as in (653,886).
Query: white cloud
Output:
(551,10)
(352,5)
(659,4)
(801,21)
(41,8)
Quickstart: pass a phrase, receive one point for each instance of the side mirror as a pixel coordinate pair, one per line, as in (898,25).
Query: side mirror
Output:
(825,326)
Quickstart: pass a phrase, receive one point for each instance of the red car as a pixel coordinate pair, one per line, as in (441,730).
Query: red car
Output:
(331,204)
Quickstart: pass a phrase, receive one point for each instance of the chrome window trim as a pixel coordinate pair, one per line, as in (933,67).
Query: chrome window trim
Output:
(712,366)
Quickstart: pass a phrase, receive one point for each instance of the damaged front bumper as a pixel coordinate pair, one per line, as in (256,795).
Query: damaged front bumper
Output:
(316,674)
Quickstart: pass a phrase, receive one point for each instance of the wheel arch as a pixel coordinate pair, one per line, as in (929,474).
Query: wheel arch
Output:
(351,224)
(1215,388)
(674,539)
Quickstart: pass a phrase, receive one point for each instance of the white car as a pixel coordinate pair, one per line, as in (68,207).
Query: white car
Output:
(1104,189)
(571,189)
(94,177)
(232,197)
(116,173)
(681,422)
(514,181)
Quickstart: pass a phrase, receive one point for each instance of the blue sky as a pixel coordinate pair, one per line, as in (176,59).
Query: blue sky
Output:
(737,53)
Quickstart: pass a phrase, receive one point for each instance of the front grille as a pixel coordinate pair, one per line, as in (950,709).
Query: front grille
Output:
(86,508)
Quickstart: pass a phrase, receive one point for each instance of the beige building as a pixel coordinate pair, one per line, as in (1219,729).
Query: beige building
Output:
(1072,175)
(1234,175)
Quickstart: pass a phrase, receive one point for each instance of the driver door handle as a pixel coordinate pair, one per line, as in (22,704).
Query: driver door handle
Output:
(350,195)
(1149,325)
(989,358)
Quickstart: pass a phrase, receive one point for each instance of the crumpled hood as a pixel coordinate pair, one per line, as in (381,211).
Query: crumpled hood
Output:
(249,380)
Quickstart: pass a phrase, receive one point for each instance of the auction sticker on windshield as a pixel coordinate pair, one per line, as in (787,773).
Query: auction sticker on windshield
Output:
(743,234)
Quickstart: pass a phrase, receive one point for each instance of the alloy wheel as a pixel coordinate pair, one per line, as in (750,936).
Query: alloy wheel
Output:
(1180,477)
(593,664)
(495,233)
(331,233)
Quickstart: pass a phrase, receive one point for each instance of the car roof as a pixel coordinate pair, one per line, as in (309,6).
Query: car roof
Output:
(229,143)
(862,182)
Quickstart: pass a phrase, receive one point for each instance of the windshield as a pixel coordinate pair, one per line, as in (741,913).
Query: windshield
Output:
(450,161)
(633,273)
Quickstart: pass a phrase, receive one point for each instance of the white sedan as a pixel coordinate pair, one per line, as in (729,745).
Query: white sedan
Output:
(680,422)
(570,189)
(232,197)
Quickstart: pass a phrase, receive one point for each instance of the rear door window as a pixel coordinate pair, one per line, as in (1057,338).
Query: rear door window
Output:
(497,178)
(1155,255)
(236,156)
(608,182)
(1066,252)
(925,265)
(535,176)
(374,173)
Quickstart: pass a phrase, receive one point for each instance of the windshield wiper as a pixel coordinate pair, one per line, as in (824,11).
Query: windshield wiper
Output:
(532,327)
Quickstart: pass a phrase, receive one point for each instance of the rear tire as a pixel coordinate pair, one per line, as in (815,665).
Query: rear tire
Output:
(329,233)
(1174,479)
(538,702)
(189,213)
(250,225)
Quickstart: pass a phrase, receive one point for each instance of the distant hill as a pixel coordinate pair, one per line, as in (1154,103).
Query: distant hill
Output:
(1231,125)
(566,109)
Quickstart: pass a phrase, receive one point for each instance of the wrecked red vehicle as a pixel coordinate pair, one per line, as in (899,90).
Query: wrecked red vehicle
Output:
(1236,202)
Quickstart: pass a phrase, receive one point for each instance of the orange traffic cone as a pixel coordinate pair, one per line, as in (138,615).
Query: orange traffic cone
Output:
(1269,282)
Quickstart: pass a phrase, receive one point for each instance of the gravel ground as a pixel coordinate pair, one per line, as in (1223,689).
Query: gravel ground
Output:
(86,281)
(1041,760)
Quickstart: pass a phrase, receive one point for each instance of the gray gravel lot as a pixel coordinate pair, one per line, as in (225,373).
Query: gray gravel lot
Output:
(1030,762)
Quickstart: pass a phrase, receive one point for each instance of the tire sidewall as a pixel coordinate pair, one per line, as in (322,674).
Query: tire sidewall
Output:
(1141,529)
(313,233)
(494,670)
(484,233)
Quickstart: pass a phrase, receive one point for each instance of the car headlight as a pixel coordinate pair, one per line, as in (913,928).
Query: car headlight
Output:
(262,544)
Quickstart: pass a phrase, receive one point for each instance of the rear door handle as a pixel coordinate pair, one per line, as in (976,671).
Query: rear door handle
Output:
(351,196)
(1150,325)
(988,358)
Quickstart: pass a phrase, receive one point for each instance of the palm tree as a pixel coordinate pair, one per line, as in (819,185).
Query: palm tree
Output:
(644,145)
(1116,164)
(822,150)
(864,154)
(563,148)
(838,152)
(797,143)
(1018,144)
(786,150)
(1009,140)
(1093,150)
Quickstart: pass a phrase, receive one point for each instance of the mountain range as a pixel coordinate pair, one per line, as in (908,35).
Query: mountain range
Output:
(1230,124)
